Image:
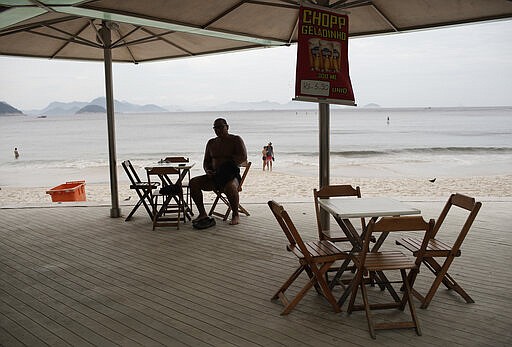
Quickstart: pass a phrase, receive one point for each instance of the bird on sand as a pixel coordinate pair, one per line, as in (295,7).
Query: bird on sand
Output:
(432,180)
(128,198)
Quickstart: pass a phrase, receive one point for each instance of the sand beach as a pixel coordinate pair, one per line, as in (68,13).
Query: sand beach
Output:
(261,186)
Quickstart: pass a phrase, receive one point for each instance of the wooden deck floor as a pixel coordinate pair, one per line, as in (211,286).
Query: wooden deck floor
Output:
(74,276)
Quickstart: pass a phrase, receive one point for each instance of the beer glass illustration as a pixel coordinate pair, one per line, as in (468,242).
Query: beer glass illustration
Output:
(314,54)
(336,56)
(326,49)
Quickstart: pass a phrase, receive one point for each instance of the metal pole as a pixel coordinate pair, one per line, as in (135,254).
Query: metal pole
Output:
(324,169)
(105,32)
(324,138)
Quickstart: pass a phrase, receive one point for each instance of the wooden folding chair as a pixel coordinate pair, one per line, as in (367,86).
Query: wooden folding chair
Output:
(143,189)
(325,232)
(185,184)
(220,196)
(172,200)
(439,249)
(346,190)
(315,257)
(377,262)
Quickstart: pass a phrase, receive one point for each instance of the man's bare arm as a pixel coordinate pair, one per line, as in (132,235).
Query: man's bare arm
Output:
(208,160)
(240,152)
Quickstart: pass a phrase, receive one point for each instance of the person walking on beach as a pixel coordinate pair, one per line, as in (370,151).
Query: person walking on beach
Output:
(270,156)
(16,153)
(222,159)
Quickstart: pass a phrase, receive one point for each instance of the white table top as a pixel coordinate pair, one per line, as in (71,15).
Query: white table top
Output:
(366,207)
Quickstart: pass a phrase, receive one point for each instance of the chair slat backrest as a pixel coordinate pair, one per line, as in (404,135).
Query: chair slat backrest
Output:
(403,223)
(288,228)
(342,190)
(463,202)
(159,172)
(130,172)
(338,190)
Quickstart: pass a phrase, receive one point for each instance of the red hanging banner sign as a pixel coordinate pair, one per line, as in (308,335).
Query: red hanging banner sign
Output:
(322,58)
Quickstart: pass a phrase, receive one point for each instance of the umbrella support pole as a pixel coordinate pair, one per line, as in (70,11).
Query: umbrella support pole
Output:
(105,32)
(324,169)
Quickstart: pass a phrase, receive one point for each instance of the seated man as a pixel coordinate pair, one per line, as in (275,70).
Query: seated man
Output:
(222,158)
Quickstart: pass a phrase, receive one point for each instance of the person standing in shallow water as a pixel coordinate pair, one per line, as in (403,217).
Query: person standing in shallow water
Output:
(270,156)
(222,158)
(16,153)
(264,156)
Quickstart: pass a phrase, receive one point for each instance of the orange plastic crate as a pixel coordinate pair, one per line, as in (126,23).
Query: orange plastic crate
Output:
(69,191)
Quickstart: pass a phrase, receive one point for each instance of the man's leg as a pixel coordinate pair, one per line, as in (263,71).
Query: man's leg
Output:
(197,185)
(231,191)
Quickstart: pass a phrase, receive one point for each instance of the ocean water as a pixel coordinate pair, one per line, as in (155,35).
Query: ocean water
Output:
(415,142)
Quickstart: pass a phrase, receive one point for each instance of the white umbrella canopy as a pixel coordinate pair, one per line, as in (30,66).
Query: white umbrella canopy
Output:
(166,29)
(139,31)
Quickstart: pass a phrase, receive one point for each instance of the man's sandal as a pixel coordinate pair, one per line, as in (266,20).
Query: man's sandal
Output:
(204,223)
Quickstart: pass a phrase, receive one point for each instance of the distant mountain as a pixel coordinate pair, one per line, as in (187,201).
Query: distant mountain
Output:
(92,109)
(65,108)
(8,110)
(57,108)
(126,107)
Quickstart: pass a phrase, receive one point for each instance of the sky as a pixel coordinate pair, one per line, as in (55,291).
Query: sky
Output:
(468,65)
